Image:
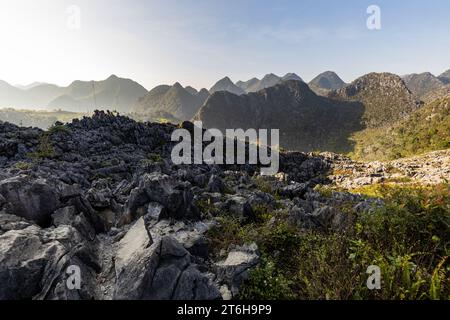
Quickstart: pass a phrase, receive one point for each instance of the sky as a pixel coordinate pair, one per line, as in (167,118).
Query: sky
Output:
(197,42)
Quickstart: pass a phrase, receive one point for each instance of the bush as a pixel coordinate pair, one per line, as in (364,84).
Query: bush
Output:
(408,238)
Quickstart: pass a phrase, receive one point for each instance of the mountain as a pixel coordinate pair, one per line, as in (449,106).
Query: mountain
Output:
(426,129)
(291,76)
(11,96)
(385,98)
(114,93)
(29,86)
(245,85)
(325,82)
(269,80)
(445,77)
(422,84)
(175,101)
(226,84)
(44,94)
(306,121)
(191,90)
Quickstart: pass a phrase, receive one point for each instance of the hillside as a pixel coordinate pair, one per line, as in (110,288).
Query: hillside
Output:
(306,121)
(12,96)
(445,77)
(385,98)
(172,102)
(422,84)
(425,130)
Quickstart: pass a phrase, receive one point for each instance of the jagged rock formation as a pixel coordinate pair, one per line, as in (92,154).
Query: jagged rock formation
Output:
(325,82)
(101,194)
(427,169)
(175,101)
(385,98)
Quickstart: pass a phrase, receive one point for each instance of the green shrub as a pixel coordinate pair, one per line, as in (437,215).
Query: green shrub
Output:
(44,149)
(265,283)
(408,238)
(23,165)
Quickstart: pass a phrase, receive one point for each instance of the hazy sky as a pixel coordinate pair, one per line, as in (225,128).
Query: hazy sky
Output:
(196,42)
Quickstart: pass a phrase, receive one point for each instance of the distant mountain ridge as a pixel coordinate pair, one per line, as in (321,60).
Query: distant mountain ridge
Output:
(269,80)
(445,77)
(226,84)
(326,82)
(423,83)
(113,93)
(308,121)
(171,101)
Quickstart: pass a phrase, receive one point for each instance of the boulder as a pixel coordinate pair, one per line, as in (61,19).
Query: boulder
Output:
(157,271)
(235,268)
(157,187)
(32,199)
(330,217)
(215,184)
(33,264)
(239,207)
(294,189)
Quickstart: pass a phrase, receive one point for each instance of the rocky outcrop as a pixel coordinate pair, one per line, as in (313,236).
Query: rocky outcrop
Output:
(100,196)
(428,169)
(235,268)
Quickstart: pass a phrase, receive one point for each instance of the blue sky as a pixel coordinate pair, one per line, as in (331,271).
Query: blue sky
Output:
(198,42)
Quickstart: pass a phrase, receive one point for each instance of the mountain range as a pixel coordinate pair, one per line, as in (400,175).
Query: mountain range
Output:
(325,114)
(308,121)
(112,93)
(269,80)
(426,86)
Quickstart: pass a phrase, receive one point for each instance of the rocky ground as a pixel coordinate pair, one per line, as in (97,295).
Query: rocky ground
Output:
(101,193)
(427,169)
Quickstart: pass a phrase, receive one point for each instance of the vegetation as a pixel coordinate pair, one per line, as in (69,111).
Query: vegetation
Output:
(408,238)
(21,165)
(425,130)
(45,148)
